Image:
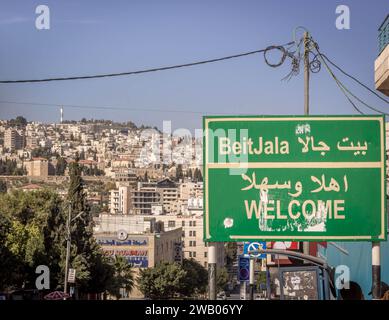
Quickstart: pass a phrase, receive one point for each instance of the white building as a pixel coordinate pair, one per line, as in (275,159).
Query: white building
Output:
(120,200)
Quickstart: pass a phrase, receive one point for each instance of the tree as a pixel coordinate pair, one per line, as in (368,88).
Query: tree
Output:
(10,167)
(82,155)
(231,253)
(19,121)
(60,167)
(42,152)
(86,256)
(190,174)
(197,175)
(179,172)
(3,186)
(196,279)
(8,263)
(161,282)
(221,278)
(33,235)
(123,277)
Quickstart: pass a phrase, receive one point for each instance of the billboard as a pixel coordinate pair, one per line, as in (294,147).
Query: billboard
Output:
(294,178)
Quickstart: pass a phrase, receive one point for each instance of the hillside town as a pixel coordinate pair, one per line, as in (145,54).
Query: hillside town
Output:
(157,203)
(173,154)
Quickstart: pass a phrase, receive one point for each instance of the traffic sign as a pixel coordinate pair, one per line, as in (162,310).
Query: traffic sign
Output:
(254,246)
(72,275)
(244,268)
(294,178)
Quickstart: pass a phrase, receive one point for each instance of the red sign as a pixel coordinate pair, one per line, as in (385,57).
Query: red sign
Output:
(126,253)
(284,245)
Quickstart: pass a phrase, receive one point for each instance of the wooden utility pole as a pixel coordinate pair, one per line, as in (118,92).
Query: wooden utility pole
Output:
(306,73)
(306,100)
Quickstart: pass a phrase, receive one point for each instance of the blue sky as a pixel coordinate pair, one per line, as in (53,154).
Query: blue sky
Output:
(88,37)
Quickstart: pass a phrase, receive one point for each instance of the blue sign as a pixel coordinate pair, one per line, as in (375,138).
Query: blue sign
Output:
(251,246)
(128,242)
(244,268)
(138,262)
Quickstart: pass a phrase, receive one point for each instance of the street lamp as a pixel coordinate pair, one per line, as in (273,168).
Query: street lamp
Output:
(69,220)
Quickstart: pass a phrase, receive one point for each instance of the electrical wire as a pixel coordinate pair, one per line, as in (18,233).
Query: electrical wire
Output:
(338,83)
(344,88)
(147,70)
(361,101)
(353,78)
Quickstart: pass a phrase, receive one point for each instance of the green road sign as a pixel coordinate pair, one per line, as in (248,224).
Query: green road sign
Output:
(295,178)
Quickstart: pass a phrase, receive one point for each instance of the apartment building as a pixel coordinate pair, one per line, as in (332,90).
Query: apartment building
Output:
(143,198)
(192,237)
(120,200)
(13,139)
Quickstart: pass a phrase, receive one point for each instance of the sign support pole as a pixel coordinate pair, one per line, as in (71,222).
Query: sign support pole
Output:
(306,100)
(251,279)
(211,271)
(376,270)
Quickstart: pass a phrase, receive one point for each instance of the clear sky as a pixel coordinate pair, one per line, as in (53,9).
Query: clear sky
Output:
(88,37)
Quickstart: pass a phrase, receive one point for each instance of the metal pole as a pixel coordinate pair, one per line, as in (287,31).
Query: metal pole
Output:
(67,249)
(211,271)
(251,279)
(306,100)
(376,270)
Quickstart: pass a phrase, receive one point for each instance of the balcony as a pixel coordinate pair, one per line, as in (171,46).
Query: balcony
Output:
(381,65)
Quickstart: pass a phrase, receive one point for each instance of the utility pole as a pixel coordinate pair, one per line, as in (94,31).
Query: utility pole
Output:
(306,100)
(67,248)
(211,271)
(251,278)
(376,270)
(306,73)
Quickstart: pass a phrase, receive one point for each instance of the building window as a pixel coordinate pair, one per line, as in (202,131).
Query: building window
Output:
(205,254)
(193,233)
(194,223)
(194,254)
(183,234)
(190,254)
(183,223)
(171,224)
(192,243)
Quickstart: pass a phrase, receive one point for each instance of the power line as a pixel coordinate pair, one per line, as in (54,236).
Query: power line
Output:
(338,82)
(361,101)
(344,88)
(353,78)
(57,105)
(128,73)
